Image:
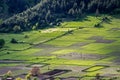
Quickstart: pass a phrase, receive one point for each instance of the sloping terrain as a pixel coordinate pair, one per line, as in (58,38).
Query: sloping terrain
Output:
(75,45)
(9,8)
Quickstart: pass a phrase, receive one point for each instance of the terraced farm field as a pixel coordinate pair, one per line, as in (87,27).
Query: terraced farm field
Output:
(74,46)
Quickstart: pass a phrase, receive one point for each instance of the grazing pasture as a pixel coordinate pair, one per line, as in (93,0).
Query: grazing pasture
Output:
(74,45)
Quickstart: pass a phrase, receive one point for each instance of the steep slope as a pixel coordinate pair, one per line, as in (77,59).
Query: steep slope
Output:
(49,12)
(11,7)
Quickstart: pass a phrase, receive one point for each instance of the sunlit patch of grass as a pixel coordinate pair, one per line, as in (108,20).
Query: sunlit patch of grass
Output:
(8,65)
(98,48)
(17,46)
(64,51)
(92,74)
(37,37)
(71,62)
(56,30)
(89,21)
(76,37)
(95,68)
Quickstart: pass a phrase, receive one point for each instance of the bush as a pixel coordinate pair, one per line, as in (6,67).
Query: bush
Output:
(13,40)
(98,25)
(8,52)
(8,75)
(2,43)
(26,36)
(106,19)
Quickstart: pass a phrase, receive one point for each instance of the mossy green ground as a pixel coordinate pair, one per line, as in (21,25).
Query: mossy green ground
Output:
(55,44)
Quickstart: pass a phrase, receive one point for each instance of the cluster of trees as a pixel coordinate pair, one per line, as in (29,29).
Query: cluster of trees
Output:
(10,7)
(48,12)
(104,20)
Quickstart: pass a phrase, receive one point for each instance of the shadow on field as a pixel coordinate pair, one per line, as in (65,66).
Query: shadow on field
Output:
(56,72)
(115,53)
(117,16)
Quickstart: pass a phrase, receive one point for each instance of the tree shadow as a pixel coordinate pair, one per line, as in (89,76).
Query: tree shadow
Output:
(117,16)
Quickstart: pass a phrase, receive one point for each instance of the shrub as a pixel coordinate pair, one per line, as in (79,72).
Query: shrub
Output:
(106,19)
(28,76)
(26,36)
(98,25)
(2,43)
(8,75)
(97,77)
(8,52)
(13,40)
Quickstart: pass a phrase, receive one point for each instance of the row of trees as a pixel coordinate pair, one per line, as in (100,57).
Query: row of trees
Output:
(49,11)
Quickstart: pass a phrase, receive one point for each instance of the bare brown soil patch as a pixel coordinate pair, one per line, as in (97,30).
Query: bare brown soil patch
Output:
(82,56)
(100,39)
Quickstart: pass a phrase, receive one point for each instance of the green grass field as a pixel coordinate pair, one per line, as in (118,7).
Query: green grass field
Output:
(58,46)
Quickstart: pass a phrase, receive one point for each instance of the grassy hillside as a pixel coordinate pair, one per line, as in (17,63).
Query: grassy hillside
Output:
(75,45)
